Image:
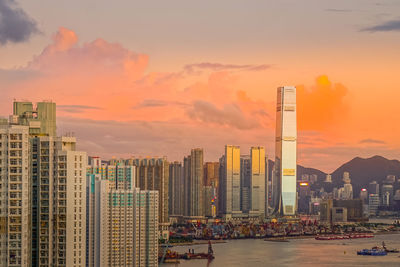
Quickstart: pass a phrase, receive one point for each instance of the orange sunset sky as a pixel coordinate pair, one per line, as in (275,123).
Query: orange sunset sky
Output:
(153,78)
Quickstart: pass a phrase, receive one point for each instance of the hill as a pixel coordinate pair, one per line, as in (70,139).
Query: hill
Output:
(365,170)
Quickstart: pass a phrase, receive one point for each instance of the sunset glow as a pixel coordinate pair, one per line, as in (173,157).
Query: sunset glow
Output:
(128,94)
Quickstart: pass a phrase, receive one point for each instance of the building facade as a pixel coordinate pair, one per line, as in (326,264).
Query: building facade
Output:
(194,184)
(284,183)
(230,181)
(15,196)
(257,182)
(176,188)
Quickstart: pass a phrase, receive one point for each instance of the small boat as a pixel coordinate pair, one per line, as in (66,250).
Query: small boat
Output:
(372,252)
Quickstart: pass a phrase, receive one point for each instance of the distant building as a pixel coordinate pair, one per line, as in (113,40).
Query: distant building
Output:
(153,174)
(333,210)
(211,174)
(176,188)
(245,183)
(328,178)
(373,204)
(373,188)
(211,178)
(257,181)
(209,197)
(194,184)
(229,189)
(284,182)
(364,195)
(387,195)
(346,192)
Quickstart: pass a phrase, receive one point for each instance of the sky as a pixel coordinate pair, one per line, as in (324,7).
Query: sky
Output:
(157,78)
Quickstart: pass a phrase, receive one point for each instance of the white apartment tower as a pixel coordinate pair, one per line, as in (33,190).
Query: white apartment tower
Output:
(122,221)
(15,196)
(59,206)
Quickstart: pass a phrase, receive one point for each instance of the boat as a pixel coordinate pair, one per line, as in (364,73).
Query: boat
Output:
(372,252)
(388,250)
(340,237)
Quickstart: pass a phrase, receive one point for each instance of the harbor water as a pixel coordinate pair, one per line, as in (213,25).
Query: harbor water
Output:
(296,252)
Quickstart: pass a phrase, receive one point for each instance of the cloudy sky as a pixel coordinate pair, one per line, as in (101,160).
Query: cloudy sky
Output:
(150,78)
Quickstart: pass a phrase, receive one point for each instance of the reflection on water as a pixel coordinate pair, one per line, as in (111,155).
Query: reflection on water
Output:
(304,252)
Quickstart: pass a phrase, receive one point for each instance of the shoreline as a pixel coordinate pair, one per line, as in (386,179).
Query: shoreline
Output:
(205,242)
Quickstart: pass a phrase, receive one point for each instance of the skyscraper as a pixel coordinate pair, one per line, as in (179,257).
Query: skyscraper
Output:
(176,188)
(230,181)
(57,192)
(211,174)
(153,174)
(245,183)
(257,181)
(194,183)
(284,184)
(59,202)
(211,178)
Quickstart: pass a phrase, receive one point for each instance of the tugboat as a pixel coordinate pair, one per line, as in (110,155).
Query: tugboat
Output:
(388,250)
(372,252)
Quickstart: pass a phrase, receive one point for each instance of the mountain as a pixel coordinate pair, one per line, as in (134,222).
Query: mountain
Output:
(363,171)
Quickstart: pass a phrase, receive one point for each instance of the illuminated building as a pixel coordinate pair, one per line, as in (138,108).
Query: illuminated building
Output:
(257,181)
(284,179)
(211,178)
(211,174)
(230,182)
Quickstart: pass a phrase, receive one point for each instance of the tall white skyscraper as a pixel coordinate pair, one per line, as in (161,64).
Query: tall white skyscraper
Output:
(284,184)
(257,181)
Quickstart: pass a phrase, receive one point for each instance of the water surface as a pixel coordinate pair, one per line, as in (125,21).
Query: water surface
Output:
(300,252)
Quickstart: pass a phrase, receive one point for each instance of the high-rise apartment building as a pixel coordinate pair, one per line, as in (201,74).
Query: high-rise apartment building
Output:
(229,189)
(59,202)
(284,179)
(211,174)
(153,174)
(194,184)
(176,188)
(257,181)
(123,225)
(15,196)
(245,177)
(58,191)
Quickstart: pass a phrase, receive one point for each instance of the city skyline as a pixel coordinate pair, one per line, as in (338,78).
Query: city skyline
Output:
(168,93)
